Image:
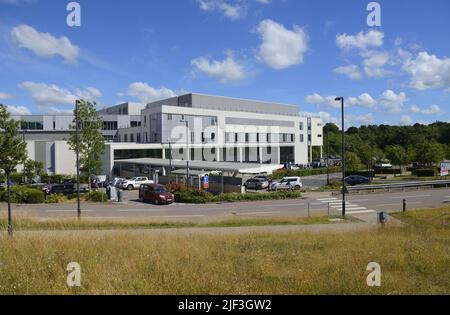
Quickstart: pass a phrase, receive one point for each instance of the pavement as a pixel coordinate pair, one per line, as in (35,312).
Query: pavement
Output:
(313,203)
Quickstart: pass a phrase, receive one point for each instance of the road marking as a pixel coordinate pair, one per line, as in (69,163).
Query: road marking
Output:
(328,199)
(252,213)
(418,196)
(359,200)
(177,216)
(68,210)
(361,212)
(351,209)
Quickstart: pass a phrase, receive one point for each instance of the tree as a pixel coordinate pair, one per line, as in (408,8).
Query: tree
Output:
(352,162)
(397,155)
(13,151)
(91,141)
(429,152)
(31,169)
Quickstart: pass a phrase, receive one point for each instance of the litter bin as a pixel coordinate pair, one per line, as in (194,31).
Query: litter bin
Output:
(119,195)
(382,218)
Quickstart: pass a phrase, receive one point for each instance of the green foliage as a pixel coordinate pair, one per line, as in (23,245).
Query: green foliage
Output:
(32,169)
(56,198)
(425,172)
(304,172)
(23,194)
(97,196)
(428,153)
(368,174)
(91,141)
(352,162)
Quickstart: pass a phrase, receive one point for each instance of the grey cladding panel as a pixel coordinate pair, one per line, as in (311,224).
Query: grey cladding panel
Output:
(258,122)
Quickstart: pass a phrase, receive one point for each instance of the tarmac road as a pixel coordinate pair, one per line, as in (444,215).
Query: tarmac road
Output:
(319,203)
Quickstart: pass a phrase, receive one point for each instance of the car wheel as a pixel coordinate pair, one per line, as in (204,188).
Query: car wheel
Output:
(130,187)
(297,187)
(141,198)
(156,202)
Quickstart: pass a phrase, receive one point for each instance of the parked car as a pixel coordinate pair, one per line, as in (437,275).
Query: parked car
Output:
(135,182)
(116,181)
(287,183)
(263,177)
(65,189)
(155,193)
(356,180)
(256,183)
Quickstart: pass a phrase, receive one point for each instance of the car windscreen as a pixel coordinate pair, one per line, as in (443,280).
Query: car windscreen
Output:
(161,190)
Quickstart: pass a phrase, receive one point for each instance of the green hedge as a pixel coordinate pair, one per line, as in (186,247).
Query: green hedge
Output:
(97,196)
(425,172)
(388,171)
(196,196)
(23,194)
(368,174)
(303,172)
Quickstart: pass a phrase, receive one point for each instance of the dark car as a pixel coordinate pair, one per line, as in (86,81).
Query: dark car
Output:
(155,193)
(356,180)
(65,189)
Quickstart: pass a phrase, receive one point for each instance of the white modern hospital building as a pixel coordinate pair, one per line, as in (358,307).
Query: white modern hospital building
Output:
(214,133)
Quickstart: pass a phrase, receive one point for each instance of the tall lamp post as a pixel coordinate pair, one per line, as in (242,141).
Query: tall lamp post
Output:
(187,152)
(170,161)
(77,153)
(342,154)
(328,157)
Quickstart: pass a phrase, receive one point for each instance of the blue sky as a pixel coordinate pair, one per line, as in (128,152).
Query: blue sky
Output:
(288,51)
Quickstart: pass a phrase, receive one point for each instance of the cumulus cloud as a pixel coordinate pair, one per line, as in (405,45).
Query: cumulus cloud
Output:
(406,120)
(432,110)
(374,62)
(18,110)
(392,102)
(365,100)
(325,101)
(51,94)
(351,71)
(44,44)
(225,70)
(231,11)
(281,47)
(146,94)
(371,38)
(359,120)
(5,96)
(428,71)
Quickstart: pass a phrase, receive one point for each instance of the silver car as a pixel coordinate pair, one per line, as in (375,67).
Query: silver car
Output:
(256,183)
(287,183)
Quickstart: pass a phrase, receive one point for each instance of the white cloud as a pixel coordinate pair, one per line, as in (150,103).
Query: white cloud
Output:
(326,101)
(225,70)
(364,100)
(55,110)
(264,1)
(371,38)
(432,110)
(392,102)
(428,71)
(44,44)
(231,11)
(50,94)
(374,62)
(359,120)
(406,120)
(5,96)
(18,110)
(146,94)
(351,71)
(281,47)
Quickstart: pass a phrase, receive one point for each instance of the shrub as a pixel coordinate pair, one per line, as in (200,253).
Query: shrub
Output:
(97,196)
(56,198)
(425,172)
(23,194)
(303,172)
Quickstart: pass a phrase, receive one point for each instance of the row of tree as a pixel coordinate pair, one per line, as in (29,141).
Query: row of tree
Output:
(425,145)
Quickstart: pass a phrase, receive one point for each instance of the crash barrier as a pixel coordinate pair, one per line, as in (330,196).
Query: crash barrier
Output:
(403,186)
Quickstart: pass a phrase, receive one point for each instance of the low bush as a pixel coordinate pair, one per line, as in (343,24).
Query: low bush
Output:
(425,172)
(56,198)
(303,172)
(96,196)
(23,194)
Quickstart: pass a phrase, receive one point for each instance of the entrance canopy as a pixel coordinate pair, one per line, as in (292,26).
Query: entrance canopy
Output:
(242,168)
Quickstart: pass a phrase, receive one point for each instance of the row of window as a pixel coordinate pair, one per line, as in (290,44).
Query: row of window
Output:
(233,137)
(32,125)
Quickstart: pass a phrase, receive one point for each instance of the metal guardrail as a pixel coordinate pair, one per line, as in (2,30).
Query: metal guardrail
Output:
(432,184)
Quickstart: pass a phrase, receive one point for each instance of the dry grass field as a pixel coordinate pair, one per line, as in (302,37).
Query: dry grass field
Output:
(414,260)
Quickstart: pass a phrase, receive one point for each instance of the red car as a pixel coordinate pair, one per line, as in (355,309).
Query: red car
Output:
(155,193)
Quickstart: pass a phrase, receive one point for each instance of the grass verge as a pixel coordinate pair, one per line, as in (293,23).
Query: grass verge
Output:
(28,223)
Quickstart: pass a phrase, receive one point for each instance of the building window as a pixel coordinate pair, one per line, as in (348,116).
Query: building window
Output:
(54,125)
(192,137)
(145,121)
(236,137)
(146,137)
(138,138)
(309,138)
(213,121)
(132,137)
(301,125)
(118,138)
(135,124)
(125,138)
(213,136)
(302,138)
(169,116)
(246,137)
(319,136)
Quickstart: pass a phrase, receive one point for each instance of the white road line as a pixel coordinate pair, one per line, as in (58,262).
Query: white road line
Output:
(351,209)
(253,213)
(399,204)
(283,205)
(177,216)
(361,212)
(418,196)
(359,200)
(328,199)
(68,210)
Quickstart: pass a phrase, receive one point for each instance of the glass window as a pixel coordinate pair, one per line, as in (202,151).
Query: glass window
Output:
(169,116)
(132,137)
(302,139)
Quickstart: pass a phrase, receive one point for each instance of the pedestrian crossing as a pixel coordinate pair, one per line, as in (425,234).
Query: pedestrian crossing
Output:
(350,207)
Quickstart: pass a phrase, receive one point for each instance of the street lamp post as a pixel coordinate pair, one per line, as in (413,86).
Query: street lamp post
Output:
(170,161)
(187,152)
(343,153)
(77,153)
(328,157)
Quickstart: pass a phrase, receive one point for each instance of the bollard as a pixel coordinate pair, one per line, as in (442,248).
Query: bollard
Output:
(404,205)
(119,195)
(308,209)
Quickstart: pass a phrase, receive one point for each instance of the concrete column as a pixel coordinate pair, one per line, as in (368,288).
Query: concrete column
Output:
(240,155)
(310,154)
(218,154)
(260,155)
(163,153)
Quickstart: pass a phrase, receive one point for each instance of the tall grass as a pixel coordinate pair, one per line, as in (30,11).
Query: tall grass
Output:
(414,260)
